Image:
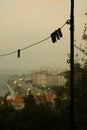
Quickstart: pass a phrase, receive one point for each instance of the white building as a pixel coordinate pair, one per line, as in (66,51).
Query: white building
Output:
(44,78)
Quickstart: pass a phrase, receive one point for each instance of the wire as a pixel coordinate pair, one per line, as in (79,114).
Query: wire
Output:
(67,22)
(25,47)
(35,43)
(10,53)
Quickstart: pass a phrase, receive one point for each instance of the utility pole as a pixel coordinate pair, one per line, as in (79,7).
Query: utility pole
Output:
(72,66)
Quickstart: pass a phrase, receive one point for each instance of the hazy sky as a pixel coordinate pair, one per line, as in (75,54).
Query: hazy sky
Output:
(24,22)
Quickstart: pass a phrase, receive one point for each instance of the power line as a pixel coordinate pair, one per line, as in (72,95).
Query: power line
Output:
(10,53)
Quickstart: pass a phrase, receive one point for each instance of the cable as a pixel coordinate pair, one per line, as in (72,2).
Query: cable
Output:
(35,43)
(10,53)
(25,47)
(67,22)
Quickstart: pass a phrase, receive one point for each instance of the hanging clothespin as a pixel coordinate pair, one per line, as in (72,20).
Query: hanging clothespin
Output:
(18,53)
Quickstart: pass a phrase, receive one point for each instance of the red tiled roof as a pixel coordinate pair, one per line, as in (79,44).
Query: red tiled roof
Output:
(17,101)
(45,97)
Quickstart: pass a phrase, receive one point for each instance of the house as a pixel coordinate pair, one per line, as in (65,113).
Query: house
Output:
(17,103)
(43,78)
(46,97)
(61,80)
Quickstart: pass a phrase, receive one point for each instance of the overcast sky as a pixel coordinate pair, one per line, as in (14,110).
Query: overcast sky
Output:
(24,22)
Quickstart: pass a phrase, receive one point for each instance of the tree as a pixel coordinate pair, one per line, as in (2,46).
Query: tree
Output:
(80,83)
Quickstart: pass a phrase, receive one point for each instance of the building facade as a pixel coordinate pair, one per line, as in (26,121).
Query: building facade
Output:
(43,78)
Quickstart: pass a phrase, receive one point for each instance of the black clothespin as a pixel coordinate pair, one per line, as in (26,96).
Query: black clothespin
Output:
(60,32)
(18,53)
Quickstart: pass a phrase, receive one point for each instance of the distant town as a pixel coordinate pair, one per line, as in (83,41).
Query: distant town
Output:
(38,83)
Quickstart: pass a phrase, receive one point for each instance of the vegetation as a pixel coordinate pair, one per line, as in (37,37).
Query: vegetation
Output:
(80,90)
(32,116)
